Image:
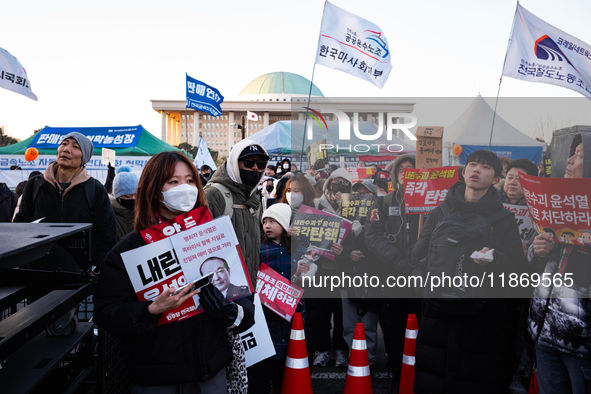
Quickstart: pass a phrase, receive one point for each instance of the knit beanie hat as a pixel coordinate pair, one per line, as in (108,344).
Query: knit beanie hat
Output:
(125,182)
(279,212)
(85,145)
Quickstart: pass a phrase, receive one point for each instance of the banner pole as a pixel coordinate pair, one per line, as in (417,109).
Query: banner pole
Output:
(306,119)
(501,79)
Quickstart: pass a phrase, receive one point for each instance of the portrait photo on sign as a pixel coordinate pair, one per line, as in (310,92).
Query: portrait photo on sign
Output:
(213,247)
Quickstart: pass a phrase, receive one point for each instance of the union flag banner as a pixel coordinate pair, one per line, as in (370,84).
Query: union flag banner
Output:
(353,45)
(560,207)
(539,52)
(13,75)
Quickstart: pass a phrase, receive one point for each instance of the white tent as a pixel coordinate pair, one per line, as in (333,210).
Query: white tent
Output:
(472,131)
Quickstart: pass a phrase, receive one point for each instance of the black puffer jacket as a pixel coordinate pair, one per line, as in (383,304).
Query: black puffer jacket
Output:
(194,349)
(123,218)
(71,206)
(469,354)
(8,201)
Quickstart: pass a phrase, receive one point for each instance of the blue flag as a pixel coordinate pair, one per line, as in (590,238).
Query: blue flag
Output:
(202,97)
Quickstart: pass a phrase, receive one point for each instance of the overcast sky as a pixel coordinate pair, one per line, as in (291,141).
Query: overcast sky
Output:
(100,63)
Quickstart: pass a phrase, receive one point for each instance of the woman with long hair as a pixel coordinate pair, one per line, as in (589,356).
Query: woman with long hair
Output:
(189,355)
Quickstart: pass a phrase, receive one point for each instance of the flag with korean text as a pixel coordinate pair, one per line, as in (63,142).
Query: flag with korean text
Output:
(202,97)
(204,156)
(13,75)
(560,207)
(277,293)
(353,45)
(539,52)
(426,189)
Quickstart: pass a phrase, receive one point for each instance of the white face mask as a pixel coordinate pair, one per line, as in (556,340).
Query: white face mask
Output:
(286,166)
(180,199)
(294,199)
(381,194)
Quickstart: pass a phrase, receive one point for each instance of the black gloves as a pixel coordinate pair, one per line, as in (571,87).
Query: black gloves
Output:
(213,301)
(110,177)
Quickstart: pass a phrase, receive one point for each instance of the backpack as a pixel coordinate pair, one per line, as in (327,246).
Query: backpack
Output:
(229,201)
(453,240)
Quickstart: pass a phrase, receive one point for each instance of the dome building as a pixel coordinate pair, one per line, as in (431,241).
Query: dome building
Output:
(271,96)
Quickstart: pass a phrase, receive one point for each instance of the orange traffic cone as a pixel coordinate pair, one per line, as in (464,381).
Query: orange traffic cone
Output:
(533,383)
(296,378)
(407,375)
(358,376)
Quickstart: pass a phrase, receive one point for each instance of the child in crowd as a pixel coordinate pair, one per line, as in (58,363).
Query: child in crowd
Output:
(276,253)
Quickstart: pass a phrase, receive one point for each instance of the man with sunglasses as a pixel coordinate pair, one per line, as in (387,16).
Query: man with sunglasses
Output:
(240,176)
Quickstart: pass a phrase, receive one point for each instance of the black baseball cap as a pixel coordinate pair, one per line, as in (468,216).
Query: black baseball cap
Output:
(253,150)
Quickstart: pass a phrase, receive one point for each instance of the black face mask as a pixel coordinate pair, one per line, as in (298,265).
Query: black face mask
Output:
(127,204)
(207,176)
(269,188)
(250,178)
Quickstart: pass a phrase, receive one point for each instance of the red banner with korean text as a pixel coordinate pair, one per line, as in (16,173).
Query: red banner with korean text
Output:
(359,173)
(277,293)
(559,206)
(425,189)
(176,225)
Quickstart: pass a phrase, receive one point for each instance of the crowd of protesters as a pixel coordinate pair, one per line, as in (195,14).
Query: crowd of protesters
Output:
(463,345)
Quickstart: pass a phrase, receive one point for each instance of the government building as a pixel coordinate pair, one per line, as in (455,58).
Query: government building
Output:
(270,96)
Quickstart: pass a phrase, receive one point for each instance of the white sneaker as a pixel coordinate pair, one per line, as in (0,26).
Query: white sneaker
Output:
(517,388)
(341,360)
(320,358)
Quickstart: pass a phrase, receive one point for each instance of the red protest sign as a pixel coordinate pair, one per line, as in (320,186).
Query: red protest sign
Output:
(425,189)
(176,225)
(277,293)
(559,206)
(359,173)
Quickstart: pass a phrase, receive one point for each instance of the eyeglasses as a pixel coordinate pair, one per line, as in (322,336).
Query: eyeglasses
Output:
(249,163)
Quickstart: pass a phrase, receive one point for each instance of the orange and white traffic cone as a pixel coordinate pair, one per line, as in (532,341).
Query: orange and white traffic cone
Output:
(358,375)
(407,375)
(296,378)
(533,383)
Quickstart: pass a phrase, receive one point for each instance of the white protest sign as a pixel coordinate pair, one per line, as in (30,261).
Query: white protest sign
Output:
(257,341)
(108,157)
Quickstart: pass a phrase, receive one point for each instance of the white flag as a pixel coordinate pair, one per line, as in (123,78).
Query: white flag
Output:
(252,116)
(13,76)
(539,52)
(204,157)
(353,45)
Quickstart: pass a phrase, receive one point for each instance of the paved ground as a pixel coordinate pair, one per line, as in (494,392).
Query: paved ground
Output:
(331,380)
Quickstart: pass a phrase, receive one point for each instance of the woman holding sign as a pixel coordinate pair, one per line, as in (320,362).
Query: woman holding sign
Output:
(189,355)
